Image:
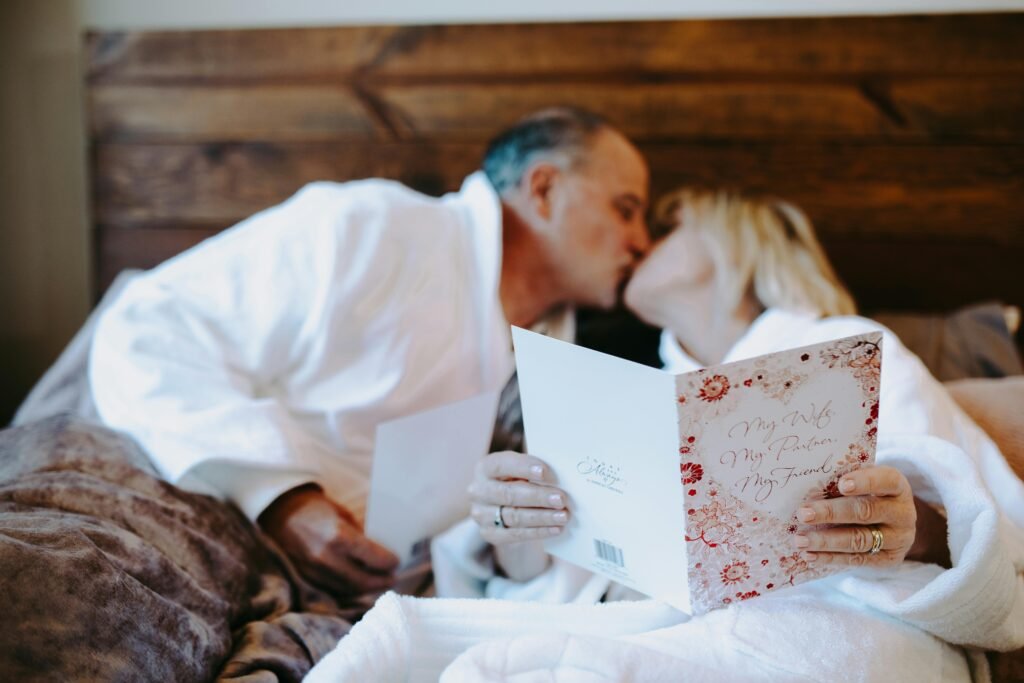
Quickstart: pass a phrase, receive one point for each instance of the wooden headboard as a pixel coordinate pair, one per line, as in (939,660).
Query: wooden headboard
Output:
(903,137)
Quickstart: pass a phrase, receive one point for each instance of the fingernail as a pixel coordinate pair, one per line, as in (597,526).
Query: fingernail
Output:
(554,530)
(555,500)
(536,470)
(561,517)
(805,514)
(801,541)
(810,558)
(847,486)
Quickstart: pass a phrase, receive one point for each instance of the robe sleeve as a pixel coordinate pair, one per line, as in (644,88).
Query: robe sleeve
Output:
(949,462)
(194,358)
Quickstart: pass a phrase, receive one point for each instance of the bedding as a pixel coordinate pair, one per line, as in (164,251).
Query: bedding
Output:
(973,341)
(904,617)
(891,616)
(414,640)
(109,573)
(240,612)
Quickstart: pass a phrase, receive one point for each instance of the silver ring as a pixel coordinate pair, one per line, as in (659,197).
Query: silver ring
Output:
(877,539)
(498,521)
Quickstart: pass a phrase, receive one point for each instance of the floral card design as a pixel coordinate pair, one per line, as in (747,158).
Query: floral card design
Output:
(684,487)
(756,439)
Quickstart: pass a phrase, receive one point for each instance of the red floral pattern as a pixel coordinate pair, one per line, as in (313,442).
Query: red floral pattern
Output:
(714,524)
(715,388)
(794,565)
(861,354)
(691,472)
(726,546)
(735,572)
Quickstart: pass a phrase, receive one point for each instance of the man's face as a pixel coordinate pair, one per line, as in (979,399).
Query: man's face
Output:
(598,215)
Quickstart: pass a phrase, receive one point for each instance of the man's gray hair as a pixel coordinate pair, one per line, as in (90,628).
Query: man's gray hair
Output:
(561,134)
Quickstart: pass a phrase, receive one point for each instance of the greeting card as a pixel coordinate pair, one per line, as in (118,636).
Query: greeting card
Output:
(422,466)
(685,487)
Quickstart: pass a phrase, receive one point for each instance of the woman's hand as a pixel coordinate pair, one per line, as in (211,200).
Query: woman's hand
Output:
(873,498)
(514,499)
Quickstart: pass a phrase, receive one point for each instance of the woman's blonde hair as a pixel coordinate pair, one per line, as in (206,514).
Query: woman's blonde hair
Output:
(763,245)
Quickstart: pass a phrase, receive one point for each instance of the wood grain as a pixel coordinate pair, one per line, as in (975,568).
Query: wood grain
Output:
(806,47)
(937,275)
(902,137)
(119,249)
(984,109)
(275,112)
(647,111)
(918,192)
(963,108)
(282,54)
(931,276)
(973,44)
(228,182)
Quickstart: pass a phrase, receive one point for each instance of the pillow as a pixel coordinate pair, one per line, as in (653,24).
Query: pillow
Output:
(996,405)
(975,341)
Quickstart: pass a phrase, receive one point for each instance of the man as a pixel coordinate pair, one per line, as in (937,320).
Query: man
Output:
(260,362)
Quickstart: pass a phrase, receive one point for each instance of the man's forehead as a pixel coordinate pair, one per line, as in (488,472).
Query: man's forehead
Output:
(617,163)
(613,147)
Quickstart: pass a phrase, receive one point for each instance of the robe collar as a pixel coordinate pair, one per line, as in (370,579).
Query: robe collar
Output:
(767,333)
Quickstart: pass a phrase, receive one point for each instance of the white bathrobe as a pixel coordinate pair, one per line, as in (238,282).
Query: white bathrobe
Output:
(901,623)
(265,357)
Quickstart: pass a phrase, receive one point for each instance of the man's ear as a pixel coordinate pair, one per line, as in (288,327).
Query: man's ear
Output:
(539,184)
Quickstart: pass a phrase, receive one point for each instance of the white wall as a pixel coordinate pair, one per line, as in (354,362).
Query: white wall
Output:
(156,14)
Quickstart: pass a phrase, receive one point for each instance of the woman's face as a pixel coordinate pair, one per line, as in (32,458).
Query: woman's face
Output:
(678,270)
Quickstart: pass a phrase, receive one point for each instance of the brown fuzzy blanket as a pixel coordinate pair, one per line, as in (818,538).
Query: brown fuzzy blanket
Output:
(109,573)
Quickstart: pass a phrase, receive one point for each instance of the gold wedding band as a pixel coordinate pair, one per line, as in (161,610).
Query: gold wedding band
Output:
(498,521)
(877,539)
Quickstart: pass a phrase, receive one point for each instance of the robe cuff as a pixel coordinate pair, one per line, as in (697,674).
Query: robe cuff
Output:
(251,489)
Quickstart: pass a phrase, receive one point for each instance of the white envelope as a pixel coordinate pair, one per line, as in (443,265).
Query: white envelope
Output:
(685,487)
(422,466)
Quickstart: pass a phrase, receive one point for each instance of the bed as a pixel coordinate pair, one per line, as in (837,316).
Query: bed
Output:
(902,137)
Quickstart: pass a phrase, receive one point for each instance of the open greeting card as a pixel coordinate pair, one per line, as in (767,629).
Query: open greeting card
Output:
(422,465)
(685,487)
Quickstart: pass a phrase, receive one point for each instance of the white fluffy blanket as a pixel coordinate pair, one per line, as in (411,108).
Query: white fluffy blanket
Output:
(862,625)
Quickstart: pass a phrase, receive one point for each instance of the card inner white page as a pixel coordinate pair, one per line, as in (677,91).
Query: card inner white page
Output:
(609,429)
(422,467)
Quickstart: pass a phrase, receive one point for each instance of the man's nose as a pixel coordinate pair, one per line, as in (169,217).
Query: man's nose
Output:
(639,240)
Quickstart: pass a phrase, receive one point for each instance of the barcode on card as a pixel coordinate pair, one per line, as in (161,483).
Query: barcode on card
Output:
(609,553)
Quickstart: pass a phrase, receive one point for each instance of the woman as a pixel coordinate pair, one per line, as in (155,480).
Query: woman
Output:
(732,277)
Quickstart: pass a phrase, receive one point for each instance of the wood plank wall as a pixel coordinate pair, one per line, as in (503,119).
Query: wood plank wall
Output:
(903,137)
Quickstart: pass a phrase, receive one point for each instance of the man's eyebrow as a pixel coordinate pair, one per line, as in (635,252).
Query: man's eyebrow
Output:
(633,199)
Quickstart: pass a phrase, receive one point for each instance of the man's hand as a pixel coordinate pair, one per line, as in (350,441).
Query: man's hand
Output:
(874,499)
(327,545)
